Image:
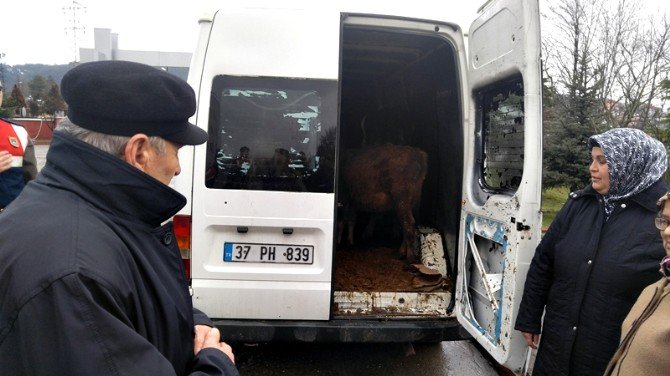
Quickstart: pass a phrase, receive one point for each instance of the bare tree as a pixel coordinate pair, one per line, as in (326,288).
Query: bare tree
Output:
(605,61)
(645,58)
(606,52)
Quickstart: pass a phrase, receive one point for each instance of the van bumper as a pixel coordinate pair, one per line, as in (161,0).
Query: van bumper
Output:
(342,330)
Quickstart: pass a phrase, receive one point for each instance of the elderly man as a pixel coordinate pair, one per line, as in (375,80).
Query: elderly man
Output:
(91,280)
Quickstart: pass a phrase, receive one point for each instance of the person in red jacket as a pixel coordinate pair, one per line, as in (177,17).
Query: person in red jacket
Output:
(17,161)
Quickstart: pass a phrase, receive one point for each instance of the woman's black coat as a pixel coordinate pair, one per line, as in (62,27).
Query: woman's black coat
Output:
(588,273)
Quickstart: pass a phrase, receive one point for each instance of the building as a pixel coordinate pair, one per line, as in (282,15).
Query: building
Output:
(106,48)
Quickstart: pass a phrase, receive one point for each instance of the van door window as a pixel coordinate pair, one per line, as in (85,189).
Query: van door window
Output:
(502,124)
(273,134)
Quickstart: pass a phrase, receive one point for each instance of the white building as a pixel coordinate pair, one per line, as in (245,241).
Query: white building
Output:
(106,47)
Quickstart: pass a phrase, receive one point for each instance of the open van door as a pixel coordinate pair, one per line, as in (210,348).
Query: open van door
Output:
(500,217)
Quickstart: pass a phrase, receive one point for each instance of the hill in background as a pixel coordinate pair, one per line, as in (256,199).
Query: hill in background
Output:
(24,73)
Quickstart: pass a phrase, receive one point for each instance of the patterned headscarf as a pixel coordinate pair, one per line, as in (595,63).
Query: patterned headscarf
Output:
(635,161)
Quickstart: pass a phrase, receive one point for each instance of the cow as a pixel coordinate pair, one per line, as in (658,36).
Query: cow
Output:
(384,178)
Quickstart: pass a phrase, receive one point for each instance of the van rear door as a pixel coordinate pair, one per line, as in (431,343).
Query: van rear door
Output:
(500,218)
(263,207)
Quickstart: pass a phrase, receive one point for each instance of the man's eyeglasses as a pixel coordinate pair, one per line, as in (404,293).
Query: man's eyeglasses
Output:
(661,223)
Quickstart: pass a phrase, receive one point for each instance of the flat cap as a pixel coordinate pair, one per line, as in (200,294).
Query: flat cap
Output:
(124,98)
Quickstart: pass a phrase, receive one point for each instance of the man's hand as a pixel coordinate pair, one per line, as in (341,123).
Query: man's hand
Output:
(210,337)
(532,339)
(199,339)
(5,160)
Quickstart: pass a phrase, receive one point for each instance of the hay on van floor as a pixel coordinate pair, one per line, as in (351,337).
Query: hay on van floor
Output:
(377,269)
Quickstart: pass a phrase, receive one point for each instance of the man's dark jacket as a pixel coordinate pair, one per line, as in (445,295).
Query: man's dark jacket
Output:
(589,273)
(90,282)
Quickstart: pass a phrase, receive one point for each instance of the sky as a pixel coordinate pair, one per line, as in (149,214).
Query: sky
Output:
(44,31)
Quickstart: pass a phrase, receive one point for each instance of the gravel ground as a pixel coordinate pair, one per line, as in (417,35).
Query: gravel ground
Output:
(41,155)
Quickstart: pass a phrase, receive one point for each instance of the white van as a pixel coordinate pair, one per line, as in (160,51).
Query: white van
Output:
(284,95)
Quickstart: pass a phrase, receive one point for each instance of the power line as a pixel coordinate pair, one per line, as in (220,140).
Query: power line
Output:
(73,25)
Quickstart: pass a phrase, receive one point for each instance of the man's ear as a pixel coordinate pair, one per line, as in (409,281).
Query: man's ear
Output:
(137,151)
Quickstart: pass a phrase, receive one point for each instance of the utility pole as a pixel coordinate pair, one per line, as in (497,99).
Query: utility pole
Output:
(2,70)
(73,25)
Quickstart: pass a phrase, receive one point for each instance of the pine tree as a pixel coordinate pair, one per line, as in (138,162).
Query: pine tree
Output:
(53,101)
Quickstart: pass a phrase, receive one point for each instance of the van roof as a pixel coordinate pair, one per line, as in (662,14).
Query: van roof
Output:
(462,14)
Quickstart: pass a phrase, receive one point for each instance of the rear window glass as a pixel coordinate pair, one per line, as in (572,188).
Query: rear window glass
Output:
(269,133)
(503,130)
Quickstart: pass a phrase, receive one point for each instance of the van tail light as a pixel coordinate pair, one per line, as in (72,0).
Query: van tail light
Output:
(182,231)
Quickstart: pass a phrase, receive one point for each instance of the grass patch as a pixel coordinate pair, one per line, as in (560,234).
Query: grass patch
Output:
(552,201)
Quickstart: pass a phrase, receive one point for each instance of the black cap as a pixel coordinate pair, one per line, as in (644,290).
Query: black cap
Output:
(124,98)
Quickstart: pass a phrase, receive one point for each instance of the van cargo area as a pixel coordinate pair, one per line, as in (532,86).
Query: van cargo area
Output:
(400,87)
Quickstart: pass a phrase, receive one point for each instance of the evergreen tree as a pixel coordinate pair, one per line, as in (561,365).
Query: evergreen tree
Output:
(53,101)
(12,104)
(40,90)
(576,114)
(566,156)
(38,87)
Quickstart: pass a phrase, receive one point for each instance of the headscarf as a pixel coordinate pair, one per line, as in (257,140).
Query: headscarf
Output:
(635,161)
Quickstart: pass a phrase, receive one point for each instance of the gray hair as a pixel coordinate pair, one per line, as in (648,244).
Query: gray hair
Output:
(111,144)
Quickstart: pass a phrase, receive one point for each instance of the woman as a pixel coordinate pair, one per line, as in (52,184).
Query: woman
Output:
(597,256)
(645,337)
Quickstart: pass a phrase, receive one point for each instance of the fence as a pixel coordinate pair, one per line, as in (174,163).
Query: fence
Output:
(40,130)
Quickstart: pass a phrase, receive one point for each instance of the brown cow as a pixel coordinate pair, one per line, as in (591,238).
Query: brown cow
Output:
(386,178)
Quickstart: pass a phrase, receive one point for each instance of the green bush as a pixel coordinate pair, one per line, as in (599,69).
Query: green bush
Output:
(552,201)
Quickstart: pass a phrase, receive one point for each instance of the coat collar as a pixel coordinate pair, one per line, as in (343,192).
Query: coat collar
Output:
(107,182)
(646,199)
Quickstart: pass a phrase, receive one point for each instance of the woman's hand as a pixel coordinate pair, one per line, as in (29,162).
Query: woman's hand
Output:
(532,339)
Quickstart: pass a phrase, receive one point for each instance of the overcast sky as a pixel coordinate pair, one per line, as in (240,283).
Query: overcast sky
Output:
(43,31)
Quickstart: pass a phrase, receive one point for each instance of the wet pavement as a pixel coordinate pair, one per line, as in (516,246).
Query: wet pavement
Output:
(458,358)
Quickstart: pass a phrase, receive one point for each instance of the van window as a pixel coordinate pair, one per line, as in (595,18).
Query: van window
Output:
(273,134)
(502,144)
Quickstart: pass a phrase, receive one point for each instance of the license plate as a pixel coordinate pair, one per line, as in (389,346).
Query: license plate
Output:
(274,253)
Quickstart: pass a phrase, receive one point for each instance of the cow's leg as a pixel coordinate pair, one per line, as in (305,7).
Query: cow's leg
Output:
(373,220)
(346,221)
(406,218)
(349,226)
